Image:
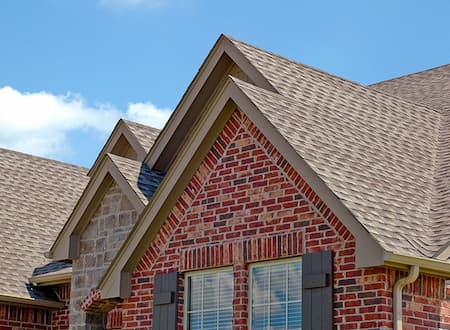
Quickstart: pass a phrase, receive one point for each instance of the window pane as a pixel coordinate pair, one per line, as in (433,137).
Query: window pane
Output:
(278,316)
(210,301)
(260,285)
(276,296)
(225,319)
(210,320)
(210,291)
(260,318)
(278,284)
(294,316)
(196,293)
(195,321)
(225,289)
(294,282)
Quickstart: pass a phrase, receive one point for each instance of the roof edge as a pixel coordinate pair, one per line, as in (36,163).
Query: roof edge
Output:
(223,46)
(120,129)
(427,265)
(53,278)
(45,304)
(94,191)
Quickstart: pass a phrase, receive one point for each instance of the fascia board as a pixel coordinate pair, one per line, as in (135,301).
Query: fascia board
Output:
(44,304)
(54,278)
(62,248)
(221,47)
(427,265)
(120,129)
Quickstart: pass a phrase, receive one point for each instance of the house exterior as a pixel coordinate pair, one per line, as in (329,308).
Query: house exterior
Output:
(277,196)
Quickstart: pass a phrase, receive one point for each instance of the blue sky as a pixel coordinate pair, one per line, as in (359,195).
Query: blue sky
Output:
(70,69)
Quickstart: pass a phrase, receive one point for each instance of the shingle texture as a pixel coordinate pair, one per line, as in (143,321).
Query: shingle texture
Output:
(378,153)
(139,176)
(146,135)
(36,198)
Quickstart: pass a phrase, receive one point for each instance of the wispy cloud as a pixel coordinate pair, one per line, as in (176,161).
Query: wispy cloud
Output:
(130,4)
(40,123)
(148,114)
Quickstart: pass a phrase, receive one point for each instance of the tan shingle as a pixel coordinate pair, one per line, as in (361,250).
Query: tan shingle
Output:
(146,135)
(376,152)
(36,198)
(139,176)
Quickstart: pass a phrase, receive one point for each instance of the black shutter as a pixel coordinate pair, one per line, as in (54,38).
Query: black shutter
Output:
(165,301)
(317,294)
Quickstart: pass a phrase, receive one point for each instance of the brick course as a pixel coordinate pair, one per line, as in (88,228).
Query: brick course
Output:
(245,194)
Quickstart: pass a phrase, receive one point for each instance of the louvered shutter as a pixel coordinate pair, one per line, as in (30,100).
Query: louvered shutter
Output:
(165,301)
(317,295)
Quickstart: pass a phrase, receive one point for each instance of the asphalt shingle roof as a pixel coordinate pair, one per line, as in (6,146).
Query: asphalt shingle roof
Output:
(378,153)
(139,176)
(146,135)
(36,198)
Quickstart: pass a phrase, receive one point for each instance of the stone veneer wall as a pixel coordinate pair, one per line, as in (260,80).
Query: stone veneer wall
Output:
(101,240)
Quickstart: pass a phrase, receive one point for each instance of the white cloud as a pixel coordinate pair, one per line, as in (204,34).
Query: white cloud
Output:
(39,123)
(148,114)
(118,4)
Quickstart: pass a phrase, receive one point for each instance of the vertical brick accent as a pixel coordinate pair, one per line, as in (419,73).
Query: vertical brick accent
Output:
(114,319)
(246,203)
(240,301)
(100,241)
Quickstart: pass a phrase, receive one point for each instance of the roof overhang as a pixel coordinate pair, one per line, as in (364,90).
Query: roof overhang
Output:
(121,130)
(116,281)
(66,245)
(43,304)
(200,92)
(427,265)
(54,278)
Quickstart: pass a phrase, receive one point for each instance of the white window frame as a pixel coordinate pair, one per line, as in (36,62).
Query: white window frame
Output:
(187,290)
(250,280)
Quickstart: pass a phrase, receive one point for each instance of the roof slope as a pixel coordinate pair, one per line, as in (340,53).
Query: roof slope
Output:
(432,87)
(377,152)
(139,176)
(36,197)
(146,135)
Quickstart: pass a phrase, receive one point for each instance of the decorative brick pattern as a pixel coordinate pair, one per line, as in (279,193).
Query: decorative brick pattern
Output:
(245,193)
(19,317)
(94,304)
(100,241)
(236,252)
(114,319)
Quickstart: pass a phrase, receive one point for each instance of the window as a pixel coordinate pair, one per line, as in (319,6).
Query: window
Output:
(275,301)
(210,300)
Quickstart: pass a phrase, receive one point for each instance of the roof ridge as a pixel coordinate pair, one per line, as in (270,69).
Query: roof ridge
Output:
(40,158)
(345,80)
(409,74)
(127,121)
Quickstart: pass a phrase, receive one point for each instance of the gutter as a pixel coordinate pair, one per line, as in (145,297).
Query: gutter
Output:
(428,266)
(397,295)
(58,277)
(47,304)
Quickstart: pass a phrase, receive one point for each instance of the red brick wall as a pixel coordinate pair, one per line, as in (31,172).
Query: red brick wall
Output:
(14,317)
(245,204)
(60,318)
